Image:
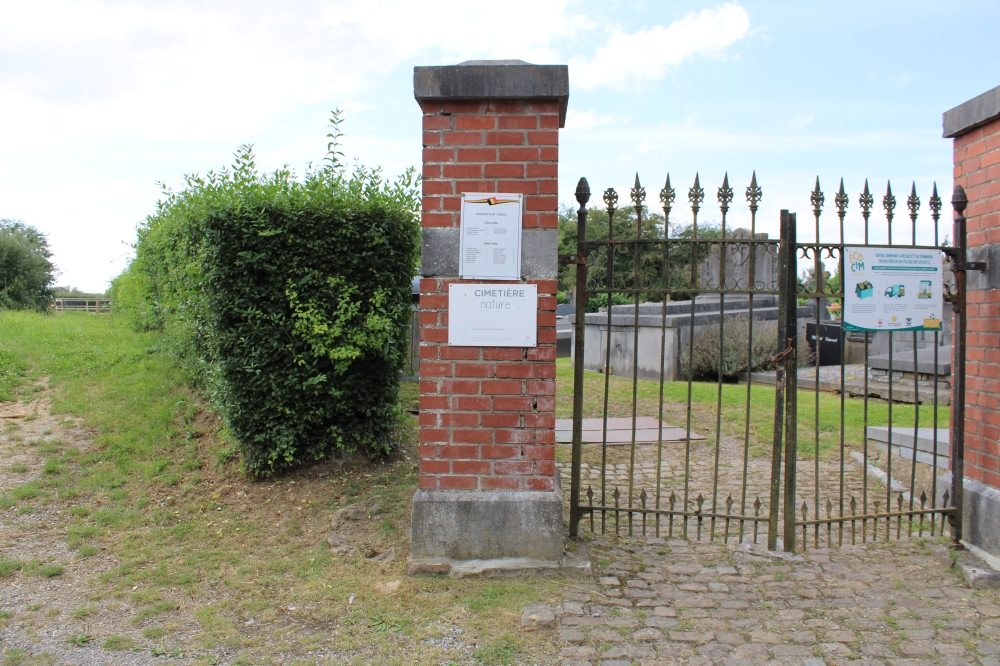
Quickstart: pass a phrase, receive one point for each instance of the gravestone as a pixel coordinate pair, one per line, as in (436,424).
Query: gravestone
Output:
(737,263)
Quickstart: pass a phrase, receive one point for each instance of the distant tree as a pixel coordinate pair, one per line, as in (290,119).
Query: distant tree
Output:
(73,292)
(651,268)
(26,270)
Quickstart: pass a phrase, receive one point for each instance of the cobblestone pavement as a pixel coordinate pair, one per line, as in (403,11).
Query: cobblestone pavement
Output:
(730,477)
(675,602)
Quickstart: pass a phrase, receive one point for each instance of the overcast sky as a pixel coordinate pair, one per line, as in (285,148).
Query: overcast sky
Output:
(102,100)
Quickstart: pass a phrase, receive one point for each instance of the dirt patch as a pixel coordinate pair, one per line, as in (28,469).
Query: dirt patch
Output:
(309,567)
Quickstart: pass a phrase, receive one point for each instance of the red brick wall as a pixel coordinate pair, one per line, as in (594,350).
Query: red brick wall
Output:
(487,414)
(977,169)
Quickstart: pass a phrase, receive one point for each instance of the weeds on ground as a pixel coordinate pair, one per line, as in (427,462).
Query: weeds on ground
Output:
(157,489)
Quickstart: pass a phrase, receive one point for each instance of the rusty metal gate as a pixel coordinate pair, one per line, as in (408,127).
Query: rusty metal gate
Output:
(790,452)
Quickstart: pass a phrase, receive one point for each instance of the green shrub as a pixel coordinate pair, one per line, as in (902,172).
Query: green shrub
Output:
(707,362)
(289,299)
(26,271)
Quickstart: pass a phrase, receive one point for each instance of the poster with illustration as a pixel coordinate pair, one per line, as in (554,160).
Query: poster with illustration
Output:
(893,289)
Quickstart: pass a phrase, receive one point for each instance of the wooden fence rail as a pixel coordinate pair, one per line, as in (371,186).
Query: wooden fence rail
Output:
(85,303)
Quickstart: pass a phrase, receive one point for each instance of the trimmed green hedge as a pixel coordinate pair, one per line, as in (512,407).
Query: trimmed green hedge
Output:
(290,299)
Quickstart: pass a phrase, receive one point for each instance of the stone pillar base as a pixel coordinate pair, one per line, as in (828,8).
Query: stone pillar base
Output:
(981,519)
(487,525)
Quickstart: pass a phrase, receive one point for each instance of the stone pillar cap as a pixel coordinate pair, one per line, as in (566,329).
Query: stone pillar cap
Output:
(494,79)
(974,113)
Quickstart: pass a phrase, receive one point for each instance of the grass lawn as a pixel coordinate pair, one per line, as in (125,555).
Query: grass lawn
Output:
(127,525)
(704,396)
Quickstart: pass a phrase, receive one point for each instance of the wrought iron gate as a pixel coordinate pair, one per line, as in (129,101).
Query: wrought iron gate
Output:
(759,469)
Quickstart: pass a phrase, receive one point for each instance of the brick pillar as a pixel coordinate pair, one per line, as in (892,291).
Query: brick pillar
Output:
(488,483)
(975,128)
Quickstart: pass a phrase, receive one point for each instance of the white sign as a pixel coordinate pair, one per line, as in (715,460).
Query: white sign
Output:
(491,236)
(492,315)
(892,289)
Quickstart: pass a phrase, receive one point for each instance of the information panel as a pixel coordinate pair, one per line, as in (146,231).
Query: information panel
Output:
(491,236)
(893,289)
(492,315)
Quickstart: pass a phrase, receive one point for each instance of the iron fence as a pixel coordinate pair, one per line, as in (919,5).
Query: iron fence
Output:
(740,480)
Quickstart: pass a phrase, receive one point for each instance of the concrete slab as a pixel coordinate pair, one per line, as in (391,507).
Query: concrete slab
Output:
(574,564)
(614,423)
(902,443)
(619,431)
(902,361)
(977,572)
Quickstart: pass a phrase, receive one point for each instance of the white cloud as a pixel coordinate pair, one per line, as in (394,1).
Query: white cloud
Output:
(218,71)
(800,121)
(585,120)
(645,55)
(902,79)
(100,94)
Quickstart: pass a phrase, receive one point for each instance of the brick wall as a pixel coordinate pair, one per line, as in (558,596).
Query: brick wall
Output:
(977,169)
(487,414)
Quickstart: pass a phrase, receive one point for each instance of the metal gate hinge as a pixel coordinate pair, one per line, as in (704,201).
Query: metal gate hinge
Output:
(970,266)
(579,259)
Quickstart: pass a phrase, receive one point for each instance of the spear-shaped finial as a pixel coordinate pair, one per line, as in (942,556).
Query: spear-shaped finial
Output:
(913,202)
(667,196)
(935,203)
(638,193)
(725,194)
(817,198)
(841,200)
(889,201)
(696,195)
(867,201)
(754,193)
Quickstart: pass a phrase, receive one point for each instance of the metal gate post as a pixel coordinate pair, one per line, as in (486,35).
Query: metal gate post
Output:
(582,197)
(959,201)
(779,388)
(788,328)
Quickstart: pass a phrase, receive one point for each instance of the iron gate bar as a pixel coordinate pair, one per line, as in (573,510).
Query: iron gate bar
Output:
(935,206)
(790,288)
(753,194)
(889,203)
(959,201)
(610,199)
(842,200)
(819,275)
(638,195)
(913,203)
(582,197)
(724,196)
(696,195)
(667,197)
(866,201)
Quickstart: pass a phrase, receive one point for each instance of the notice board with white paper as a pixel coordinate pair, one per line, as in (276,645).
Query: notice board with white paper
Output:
(493,315)
(893,289)
(491,236)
